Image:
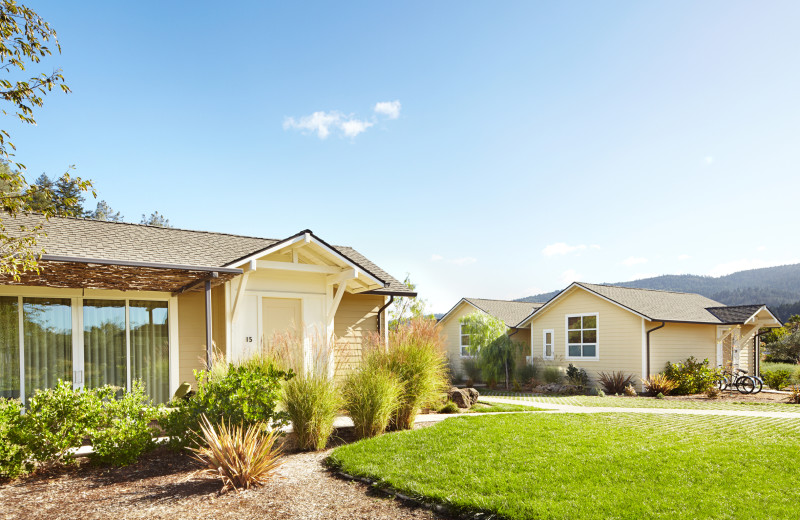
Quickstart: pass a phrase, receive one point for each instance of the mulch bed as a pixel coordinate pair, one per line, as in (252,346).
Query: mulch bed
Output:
(165,485)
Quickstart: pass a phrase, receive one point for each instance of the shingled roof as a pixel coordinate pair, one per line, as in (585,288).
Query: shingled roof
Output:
(119,241)
(510,312)
(656,305)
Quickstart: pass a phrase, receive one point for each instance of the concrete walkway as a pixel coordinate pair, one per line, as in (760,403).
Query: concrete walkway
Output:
(568,408)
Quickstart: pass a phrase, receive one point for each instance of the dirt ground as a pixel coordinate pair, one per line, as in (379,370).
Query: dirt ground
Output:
(733,397)
(164,485)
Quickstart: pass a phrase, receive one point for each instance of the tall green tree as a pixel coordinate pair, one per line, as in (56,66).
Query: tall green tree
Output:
(155,219)
(105,212)
(489,341)
(405,308)
(25,39)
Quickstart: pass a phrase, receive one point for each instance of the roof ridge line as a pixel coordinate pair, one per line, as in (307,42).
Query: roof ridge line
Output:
(641,289)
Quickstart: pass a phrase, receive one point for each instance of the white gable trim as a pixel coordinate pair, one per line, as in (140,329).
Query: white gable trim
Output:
(569,290)
(763,308)
(462,300)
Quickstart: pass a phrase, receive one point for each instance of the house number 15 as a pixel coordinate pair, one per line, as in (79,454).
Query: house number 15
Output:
(249,339)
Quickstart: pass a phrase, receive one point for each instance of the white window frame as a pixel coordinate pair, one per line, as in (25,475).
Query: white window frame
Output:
(596,344)
(461,342)
(552,355)
(76,303)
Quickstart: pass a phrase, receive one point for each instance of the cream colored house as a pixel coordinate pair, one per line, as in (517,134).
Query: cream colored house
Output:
(509,312)
(604,328)
(116,302)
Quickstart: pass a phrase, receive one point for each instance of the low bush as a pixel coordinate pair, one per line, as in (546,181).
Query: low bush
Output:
(14,453)
(371,395)
(242,456)
(552,375)
(312,401)
(659,384)
(600,393)
(124,433)
(471,369)
(630,391)
(692,376)
(244,393)
(526,372)
(577,376)
(615,382)
(713,392)
(777,379)
(449,407)
(794,394)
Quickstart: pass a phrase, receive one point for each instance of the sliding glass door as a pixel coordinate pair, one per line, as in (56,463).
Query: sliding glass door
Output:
(9,347)
(47,326)
(105,358)
(150,347)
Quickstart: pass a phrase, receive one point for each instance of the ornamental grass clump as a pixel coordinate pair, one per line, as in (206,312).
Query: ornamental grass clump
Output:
(242,456)
(415,354)
(371,395)
(659,384)
(312,401)
(615,382)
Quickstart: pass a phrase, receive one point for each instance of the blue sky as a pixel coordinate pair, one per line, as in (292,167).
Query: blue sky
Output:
(531,143)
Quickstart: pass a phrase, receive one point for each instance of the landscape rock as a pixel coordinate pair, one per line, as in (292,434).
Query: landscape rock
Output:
(463,397)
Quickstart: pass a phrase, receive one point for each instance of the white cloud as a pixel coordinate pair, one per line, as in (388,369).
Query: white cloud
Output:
(391,109)
(324,123)
(569,276)
(561,248)
(634,260)
(683,257)
(464,260)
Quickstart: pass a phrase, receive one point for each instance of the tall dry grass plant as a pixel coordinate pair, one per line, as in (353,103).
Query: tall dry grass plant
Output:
(372,395)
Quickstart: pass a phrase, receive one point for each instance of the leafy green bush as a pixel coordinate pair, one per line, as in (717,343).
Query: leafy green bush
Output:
(312,401)
(416,356)
(244,393)
(577,376)
(472,369)
(14,454)
(449,407)
(691,376)
(371,395)
(526,372)
(125,432)
(552,375)
(777,379)
(784,350)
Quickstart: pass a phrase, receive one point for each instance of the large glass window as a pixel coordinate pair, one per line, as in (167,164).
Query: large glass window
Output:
(47,324)
(9,347)
(150,347)
(582,336)
(104,352)
(465,341)
(547,344)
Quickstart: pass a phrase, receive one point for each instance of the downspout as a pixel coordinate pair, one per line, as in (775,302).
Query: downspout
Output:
(380,311)
(648,345)
(209,350)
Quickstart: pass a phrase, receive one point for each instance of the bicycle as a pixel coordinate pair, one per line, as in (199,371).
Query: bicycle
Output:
(742,382)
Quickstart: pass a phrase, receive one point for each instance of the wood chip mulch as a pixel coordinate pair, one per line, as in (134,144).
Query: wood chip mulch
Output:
(165,485)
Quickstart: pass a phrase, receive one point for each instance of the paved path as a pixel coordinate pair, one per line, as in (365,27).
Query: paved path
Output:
(568,408)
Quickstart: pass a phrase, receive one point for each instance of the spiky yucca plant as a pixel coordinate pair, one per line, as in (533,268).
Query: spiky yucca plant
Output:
(659,384)
(241,457)
(615,382)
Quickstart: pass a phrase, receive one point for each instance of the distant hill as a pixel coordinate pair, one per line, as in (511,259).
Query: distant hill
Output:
(778,287)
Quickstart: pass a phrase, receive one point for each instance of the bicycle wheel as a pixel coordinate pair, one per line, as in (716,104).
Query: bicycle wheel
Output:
(723,383)
(745,384)
(759,384)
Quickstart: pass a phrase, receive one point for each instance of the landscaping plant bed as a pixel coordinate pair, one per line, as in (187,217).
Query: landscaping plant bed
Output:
(163,484)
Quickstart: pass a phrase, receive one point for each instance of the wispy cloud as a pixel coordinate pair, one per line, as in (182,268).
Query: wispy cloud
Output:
(391,109)
(562,248)
(464,260)
(569,276)
(634,260)
(323,123)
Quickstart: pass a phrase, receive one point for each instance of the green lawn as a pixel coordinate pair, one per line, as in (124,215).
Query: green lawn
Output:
(598,466)
(644,402)
(484,407)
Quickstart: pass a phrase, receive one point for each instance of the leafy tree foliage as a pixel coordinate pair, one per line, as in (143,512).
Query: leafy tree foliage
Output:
(404,309)
(488,339)
(104,212)
(155,219)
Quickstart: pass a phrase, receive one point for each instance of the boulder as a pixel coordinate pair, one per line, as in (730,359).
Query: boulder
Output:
(463,397)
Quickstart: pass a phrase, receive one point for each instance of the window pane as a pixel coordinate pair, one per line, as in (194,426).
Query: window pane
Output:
(464,351)
(590,336)
(548,350)
(104,343)
(590,322)
(150,347)
(548,338)
(574,336)
(574,323)
(48,342)
(9,347)
(575,350)
(589,350)
(464,340)
(463,329)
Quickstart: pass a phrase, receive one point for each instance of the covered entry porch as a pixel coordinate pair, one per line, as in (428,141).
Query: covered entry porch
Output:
(738,343)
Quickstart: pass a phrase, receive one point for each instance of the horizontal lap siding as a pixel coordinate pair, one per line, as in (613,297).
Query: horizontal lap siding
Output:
(192,330)
(355,319)
(677,341)
(619,335)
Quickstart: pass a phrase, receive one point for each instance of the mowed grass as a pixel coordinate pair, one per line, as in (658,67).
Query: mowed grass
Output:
(592,466)
(647,402)
(485,407)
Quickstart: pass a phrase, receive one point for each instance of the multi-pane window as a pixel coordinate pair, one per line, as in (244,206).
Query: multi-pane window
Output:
(465,341)
(582,336)
(547,344)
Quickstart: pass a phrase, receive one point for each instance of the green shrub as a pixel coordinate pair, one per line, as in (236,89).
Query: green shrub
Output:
(552,375)
(471,369)
(615,382)
(777,379)
(125,432)
(600,393)
(794,395)
(577,376)
(371,396)
(691,376)
(243,393)
(415,354)
(449,407)
(526,373)
(312,401)
(14,454)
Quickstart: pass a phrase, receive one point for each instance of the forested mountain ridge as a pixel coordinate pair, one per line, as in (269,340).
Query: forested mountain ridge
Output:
(778,287)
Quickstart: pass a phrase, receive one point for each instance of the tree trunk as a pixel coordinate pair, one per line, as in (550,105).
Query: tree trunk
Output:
(507,382)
